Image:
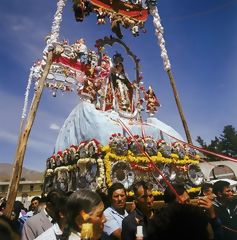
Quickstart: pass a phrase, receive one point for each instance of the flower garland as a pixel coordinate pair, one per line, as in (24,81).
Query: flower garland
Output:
(27,93)
(107,169)
(154,192)
(140,159)
(56,22)
(86,160)
(106,156)
(159,193)
(105,149)
(54,35)
(194,189)
(101,179)
(95,144)
(62,168)
(159,158)
(159,30)
(49,172)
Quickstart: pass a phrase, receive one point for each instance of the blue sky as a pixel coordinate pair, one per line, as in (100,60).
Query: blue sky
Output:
(201,39)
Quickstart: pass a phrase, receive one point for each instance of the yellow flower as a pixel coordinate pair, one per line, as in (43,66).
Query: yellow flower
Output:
(106,148)
(194,189)
(130,157)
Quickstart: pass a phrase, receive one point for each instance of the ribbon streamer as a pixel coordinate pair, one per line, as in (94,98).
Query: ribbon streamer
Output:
(148,157)
(203,150)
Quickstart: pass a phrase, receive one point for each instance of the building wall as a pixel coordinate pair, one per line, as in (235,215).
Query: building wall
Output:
(207,168)
(26,188)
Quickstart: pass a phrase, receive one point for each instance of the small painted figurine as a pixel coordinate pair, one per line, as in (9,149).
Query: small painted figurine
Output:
(81,49)
(151,101)
(100,16)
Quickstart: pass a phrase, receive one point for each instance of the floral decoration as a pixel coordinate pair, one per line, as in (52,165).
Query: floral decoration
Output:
(77,158)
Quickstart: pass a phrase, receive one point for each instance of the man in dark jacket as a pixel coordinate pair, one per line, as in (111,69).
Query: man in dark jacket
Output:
(143,212)
(226,209)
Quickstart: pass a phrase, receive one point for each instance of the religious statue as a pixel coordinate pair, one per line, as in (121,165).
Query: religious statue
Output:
(122,87)
(151,101)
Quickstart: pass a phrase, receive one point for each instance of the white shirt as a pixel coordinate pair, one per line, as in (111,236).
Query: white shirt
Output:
(50,234)
(74,236)
(113,220)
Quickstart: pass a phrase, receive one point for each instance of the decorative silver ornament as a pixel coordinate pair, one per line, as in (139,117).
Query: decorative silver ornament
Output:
(91,172)
(61,180)
(119,145)
(122,172)
(150,146)
(137,146)
(169,172)
(195,175)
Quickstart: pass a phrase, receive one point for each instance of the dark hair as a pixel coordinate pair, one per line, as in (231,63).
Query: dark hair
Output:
(114,187)
(219,186)
(183,220)
(60,207)
(139,184)
(205,187)
(169,196)
(17,207)
(104,197)
(81,200)
(36,198)
(53,196)
(7,231)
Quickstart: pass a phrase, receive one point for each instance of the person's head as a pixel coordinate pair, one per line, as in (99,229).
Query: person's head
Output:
(117,196)
(143,196)
(223,191)
(207,190)
(86,206)
(51,200)
(178,220)
(17,207)
(170,196)
(7,231)
(104,197)
(120,68)
(60,211)
(35,201)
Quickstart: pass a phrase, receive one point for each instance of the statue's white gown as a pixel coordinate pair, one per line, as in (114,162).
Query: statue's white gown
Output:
(85,122)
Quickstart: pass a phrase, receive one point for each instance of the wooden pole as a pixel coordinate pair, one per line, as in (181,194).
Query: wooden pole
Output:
(23,139)
(177,100)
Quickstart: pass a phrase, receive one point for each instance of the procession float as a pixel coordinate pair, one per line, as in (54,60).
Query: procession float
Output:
(113,134)
(106,137)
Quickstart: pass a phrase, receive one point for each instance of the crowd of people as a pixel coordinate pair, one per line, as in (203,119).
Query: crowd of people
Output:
(65,216)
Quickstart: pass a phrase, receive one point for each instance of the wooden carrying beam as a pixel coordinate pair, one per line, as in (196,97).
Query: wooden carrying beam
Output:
(23,139)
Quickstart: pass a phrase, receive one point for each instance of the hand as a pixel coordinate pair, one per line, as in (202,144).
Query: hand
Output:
(207,203)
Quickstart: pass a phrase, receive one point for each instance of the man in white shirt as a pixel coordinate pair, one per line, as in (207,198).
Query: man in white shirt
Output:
(116,213)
